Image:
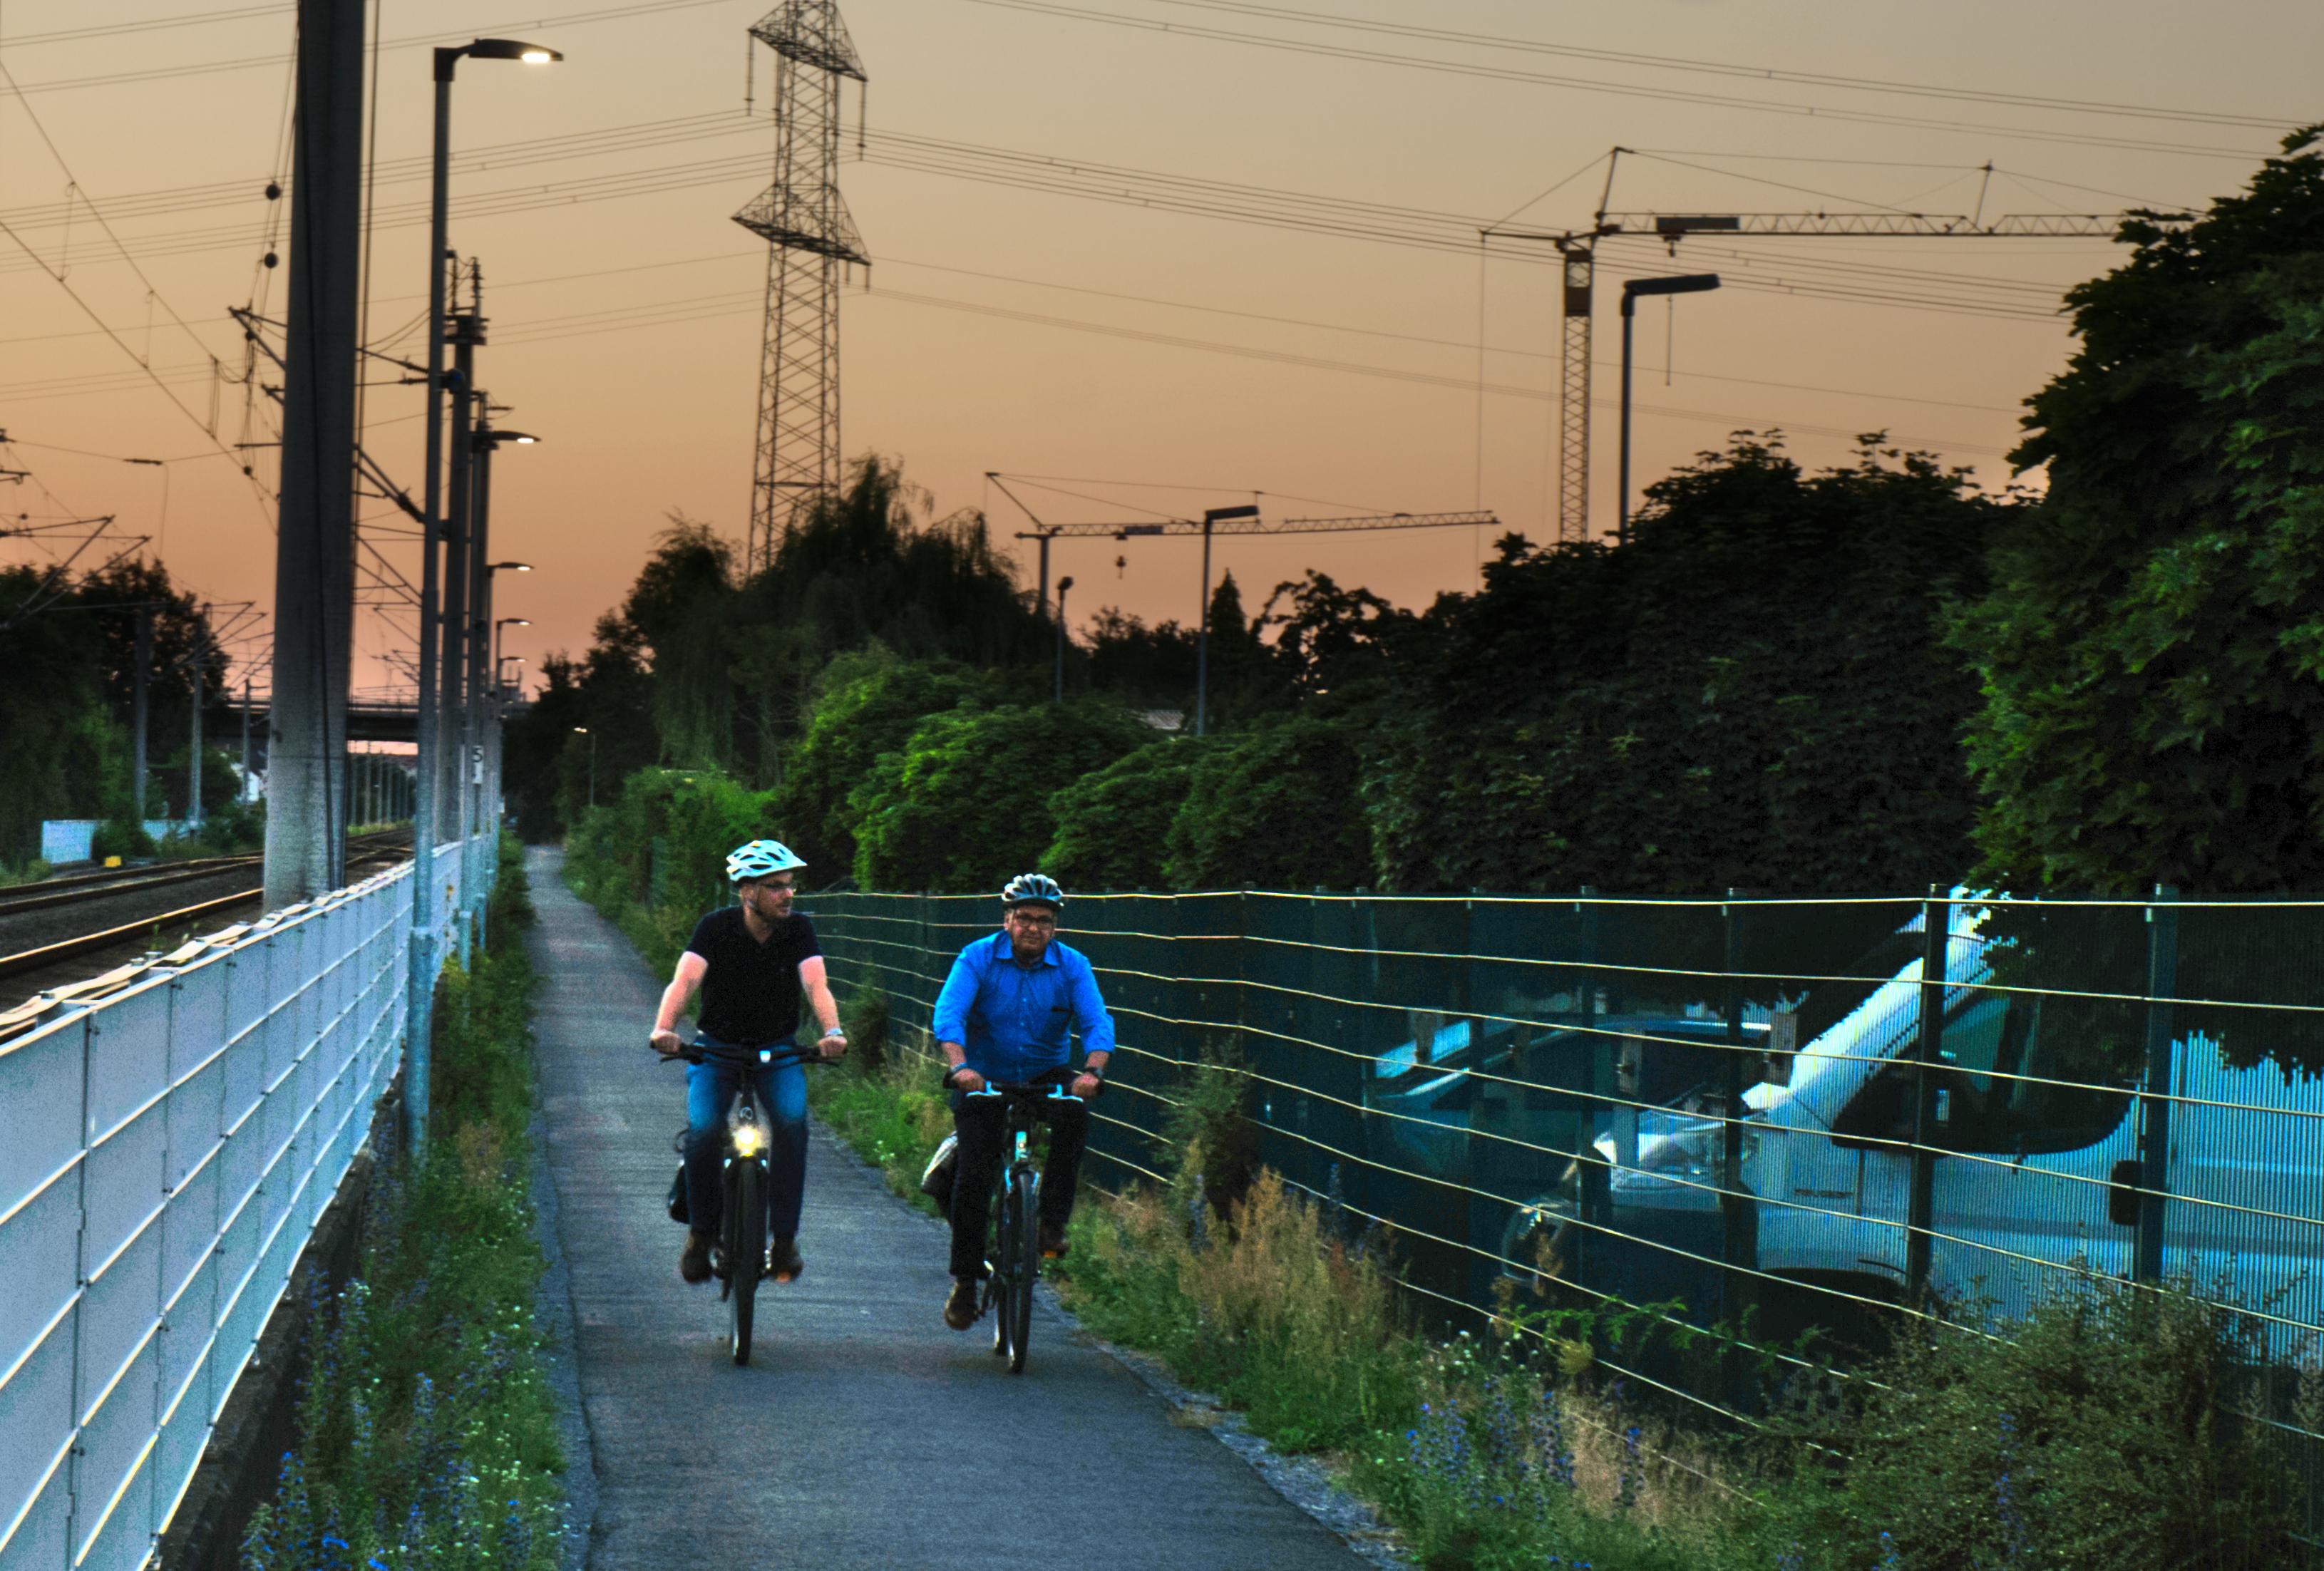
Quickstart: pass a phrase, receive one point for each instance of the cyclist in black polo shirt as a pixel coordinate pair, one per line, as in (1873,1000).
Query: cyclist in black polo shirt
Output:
(752,962)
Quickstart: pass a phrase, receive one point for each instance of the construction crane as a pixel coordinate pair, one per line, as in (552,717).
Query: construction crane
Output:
(1579,248)
(1232,520)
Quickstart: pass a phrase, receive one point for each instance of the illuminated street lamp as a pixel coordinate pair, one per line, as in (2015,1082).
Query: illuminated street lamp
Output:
(498,658)
(424,914)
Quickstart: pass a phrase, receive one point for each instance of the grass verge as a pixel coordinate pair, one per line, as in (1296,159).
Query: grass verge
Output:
(428,1430)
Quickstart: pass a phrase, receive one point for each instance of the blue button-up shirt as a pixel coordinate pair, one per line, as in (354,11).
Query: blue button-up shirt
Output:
(1013,1019)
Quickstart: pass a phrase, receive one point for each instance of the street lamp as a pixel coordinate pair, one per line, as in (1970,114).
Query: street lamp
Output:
(498,658)
(424,915)
(1690,283)
(583,731)
(1203,637)
(1063,585)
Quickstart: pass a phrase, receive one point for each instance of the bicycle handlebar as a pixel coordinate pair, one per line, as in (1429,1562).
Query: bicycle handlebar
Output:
(1046,1091)
(693,1053)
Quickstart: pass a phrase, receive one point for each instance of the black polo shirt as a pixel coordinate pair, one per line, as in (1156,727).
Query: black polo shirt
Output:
(750,994)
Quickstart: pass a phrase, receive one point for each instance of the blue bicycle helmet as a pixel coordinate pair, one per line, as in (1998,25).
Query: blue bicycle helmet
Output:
(1034,889)
(759,858)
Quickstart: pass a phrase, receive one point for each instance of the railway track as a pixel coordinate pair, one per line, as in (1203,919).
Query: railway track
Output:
(87,927)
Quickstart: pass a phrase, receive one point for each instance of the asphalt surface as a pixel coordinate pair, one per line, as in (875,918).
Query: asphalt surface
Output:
(862,1433)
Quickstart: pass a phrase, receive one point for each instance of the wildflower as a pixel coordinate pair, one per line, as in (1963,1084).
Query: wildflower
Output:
(2017,1542)
(1890,1560)
(1626,1495)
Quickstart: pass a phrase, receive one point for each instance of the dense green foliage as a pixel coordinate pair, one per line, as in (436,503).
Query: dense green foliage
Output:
(654,858)
(870,705)
(965,805)
(1749,691)
(1113,825)
(427,1429)
(2152,640)
(1275,807)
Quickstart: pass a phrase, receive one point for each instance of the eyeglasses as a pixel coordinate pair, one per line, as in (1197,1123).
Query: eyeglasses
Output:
(1032,919)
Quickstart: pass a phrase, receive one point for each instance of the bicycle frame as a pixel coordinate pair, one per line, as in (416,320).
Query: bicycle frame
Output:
(1015,1262)
(739,1256)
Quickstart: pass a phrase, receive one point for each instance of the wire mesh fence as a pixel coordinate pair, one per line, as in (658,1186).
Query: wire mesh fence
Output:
(1773,1113)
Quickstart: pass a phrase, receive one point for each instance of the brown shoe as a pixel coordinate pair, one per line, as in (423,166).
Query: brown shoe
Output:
(1053,1242)
(693,1260)
(961,1310)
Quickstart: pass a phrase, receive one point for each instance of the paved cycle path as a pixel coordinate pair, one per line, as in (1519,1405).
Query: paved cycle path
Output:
(862,1434)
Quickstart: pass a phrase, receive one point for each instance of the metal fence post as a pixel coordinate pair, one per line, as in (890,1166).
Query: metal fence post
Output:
(2155,1127)
(1736,1244)
(1936,916)
(1596,1199)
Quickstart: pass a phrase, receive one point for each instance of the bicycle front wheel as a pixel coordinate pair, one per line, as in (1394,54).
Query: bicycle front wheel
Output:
(746,1248)
(998,1268)
(1024,1264)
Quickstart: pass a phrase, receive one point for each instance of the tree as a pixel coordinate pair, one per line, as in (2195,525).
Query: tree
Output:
(56,743)
(1749,691)
(1113,823)
(2152,645)
(1275,807)
(871,705)
(965,805)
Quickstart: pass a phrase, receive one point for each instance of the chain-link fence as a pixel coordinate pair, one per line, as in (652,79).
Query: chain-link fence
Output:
(1778,1113)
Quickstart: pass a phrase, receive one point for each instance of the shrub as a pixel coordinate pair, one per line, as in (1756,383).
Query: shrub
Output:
(965,807)
(1275,808)
(1113,823)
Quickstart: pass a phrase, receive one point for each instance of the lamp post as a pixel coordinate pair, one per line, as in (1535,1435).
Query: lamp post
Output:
(500,659)
(1690,283)
(583,731)
(424,916)
(484,709)
(1202,636)
(1063,585)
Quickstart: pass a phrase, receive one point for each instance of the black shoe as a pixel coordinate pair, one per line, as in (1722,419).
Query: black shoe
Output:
(961,1310)
(783,1262)
(1053,1241)
(693,1260)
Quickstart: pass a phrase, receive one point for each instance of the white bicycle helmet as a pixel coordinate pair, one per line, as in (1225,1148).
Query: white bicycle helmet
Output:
(759,858)
(1026,888)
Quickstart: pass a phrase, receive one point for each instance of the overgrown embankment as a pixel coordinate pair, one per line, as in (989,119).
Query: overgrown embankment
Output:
(2115,1428)
(427,1426)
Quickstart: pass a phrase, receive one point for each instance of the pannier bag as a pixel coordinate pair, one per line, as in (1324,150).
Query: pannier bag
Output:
(936,1182)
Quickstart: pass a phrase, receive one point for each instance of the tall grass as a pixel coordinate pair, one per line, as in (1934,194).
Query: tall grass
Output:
(427,1429)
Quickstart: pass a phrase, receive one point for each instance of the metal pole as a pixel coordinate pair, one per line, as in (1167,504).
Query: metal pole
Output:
(1203,641)
(1044,590)
(480,854)
(243,796)
(421,998)
(137,715)
(200,670)
(2154,1128)
(314,562)
(1622,466)
(1936,916)
(460,495)
(1063,585)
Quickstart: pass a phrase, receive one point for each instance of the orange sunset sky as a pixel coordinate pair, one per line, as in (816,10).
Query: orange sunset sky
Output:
(1117,355)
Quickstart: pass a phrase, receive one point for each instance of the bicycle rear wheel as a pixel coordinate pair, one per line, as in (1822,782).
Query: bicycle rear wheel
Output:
(746,1248)
(1024,1265)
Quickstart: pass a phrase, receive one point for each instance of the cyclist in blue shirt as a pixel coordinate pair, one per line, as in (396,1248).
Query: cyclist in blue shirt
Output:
(1007,1013)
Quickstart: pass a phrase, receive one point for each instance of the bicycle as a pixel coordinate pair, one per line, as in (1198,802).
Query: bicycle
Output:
(1015,1265)
(737,1258)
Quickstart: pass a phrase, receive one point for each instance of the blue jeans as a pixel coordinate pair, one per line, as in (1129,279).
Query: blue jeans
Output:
(711,1087)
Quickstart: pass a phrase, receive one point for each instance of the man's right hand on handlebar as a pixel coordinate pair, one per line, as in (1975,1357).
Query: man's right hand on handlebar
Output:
(667,1043)
(964,1078)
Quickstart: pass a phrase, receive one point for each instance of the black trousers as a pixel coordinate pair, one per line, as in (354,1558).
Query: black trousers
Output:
(981,1124)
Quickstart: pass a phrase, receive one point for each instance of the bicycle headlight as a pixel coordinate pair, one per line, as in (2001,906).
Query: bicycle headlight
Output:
(749,1138)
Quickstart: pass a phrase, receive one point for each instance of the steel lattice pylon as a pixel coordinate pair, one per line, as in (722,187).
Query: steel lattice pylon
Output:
(1573,399)
(805,221)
